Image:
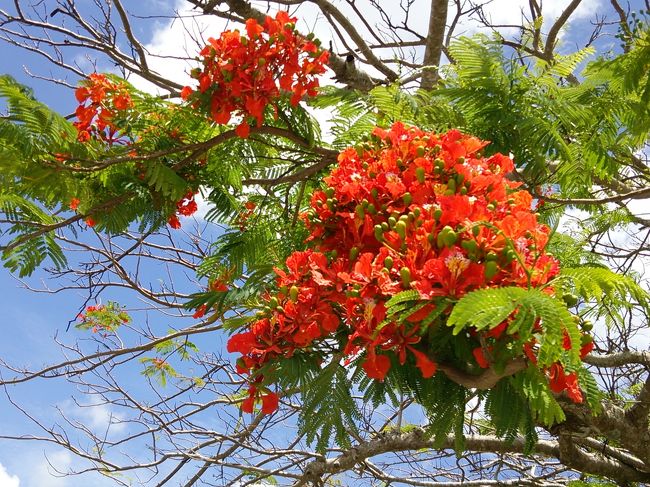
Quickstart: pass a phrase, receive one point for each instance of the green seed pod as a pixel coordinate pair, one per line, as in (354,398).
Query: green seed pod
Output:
(388,262)
(491,207)
(392,221)
(405,274)
(469,245)
(273,302)
(475,230)
(431,238)
(586,339)
(463,190)
(284,290)
(491,268)
(400,228)
(459,179)
(334,254)
(359,211)
(420,151)
(407,198)
(374,193)
(293,293)
(379,233)
(371,209)
(420,174)
(384,226)
(451,185)
(329,192)
(279,309)
(354,253)
(450,238)
(587,325)
(491,256)
(570,299)
(437,214)
(417,212)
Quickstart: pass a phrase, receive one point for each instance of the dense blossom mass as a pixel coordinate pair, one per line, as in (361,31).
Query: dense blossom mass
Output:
(242,74)
(408,210)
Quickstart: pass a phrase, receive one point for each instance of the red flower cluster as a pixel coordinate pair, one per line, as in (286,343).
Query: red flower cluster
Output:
(408,210)
(186,206)
(99,99)
(241,75)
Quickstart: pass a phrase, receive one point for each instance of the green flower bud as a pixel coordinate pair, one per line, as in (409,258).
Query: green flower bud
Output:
(405,274)
(491,268)
(293,293)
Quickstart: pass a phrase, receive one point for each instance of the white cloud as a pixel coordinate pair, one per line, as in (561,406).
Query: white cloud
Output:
(7,480)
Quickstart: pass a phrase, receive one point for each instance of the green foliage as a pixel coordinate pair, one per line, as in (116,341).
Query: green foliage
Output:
(607,291)
(328,408)
(487,308)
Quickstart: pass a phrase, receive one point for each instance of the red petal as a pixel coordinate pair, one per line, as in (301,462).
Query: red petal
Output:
(243,130)
(586,349)
(269,403)
(247,404)
(424,363)
(376,366)
(480,358)
(81,94)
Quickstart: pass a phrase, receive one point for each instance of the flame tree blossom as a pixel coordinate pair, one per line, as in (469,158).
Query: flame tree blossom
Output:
(408,210)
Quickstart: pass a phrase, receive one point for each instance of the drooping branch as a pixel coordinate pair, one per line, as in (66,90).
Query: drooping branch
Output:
(487,379)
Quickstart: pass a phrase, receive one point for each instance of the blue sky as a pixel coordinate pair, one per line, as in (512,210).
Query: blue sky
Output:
(32,320)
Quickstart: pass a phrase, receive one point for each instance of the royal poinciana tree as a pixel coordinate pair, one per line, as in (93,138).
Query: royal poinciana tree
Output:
(422,258)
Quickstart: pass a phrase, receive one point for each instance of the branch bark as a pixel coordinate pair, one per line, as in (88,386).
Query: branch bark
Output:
(434,43)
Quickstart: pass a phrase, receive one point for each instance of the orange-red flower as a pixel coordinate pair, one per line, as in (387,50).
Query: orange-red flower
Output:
(409,210)
(99,99)
(243,74)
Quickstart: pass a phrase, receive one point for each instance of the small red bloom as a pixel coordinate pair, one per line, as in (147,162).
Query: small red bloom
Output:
(174,222)
(186,92)
(586,349)
(74,203)
(90,221)
(200,311)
